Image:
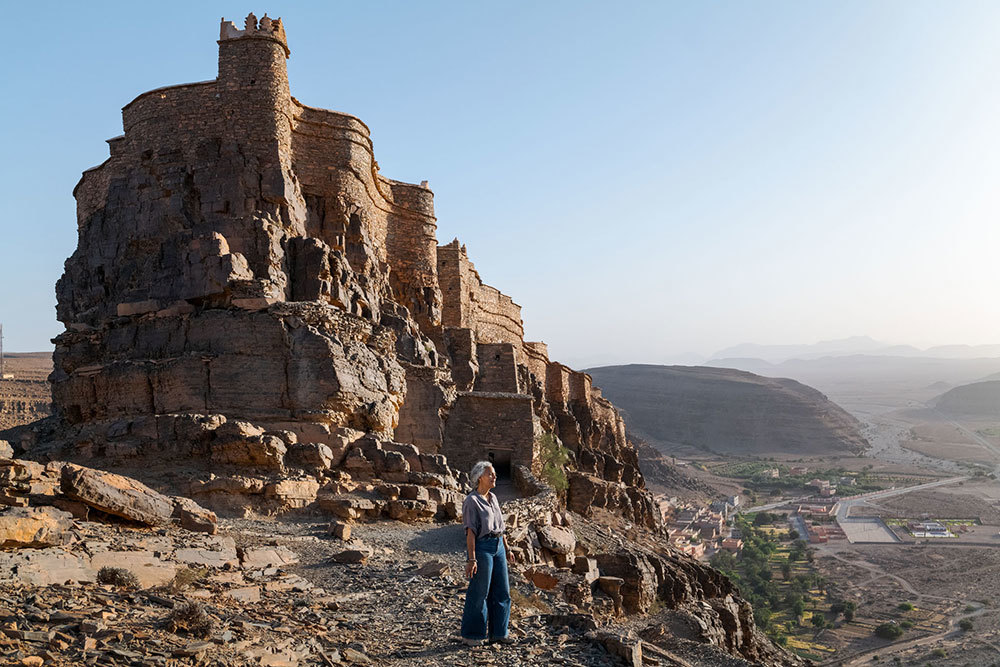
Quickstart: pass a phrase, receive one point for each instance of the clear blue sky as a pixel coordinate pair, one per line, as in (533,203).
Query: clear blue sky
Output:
(645,179)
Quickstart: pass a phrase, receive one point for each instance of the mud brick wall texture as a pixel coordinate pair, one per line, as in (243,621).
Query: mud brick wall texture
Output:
(240,255)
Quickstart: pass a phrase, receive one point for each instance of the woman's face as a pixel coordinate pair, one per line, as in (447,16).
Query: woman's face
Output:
(488,479)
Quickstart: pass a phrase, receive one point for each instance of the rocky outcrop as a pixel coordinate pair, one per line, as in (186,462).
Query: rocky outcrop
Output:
(33,527)
(250,296)
(604,577)
(35,491)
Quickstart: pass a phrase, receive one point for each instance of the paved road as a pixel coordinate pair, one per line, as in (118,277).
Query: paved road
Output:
(772,506)
(846,505)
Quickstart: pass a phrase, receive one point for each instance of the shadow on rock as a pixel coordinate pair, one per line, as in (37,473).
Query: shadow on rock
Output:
(447,539)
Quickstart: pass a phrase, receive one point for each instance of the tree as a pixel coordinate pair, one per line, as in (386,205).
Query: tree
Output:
(818,620)
(762,616)
(849,614)
(723,560)
(786,570)
(554,458)
(965,624)
(904,606)
(889,631)
(798,608)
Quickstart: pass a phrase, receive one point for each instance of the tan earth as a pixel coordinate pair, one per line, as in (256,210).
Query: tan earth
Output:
(26,396)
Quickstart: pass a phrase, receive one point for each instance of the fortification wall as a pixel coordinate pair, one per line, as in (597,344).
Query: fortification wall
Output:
(350,206)
(557,382)
(469,303)
(536,358)
(412,249)
(174,117)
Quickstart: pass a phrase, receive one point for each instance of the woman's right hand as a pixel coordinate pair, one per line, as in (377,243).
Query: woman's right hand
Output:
(470,569)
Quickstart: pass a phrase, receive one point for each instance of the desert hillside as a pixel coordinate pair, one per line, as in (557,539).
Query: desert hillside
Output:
(682,409)
(978,398)
(25,395)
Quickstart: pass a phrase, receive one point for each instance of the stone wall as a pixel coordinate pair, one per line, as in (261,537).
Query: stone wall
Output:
(490,426)
(497,368)
(469,303)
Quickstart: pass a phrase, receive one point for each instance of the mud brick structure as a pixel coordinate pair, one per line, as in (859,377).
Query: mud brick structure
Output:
(241,260)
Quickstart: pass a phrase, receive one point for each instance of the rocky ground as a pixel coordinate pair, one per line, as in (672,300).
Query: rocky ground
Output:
(272,592)
(98,568)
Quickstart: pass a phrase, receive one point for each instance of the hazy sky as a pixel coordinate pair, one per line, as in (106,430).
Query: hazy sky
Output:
(645,179)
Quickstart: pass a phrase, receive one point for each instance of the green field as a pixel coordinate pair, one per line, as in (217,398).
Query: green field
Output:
(776,575)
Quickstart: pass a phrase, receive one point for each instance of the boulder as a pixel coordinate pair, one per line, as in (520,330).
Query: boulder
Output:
(117,495)
(194,517)
(557,539)
(293,493)
(34,527)
(340,530)
(147,568)
(411,510)
(264,451)
(353,556)
(346,507)
(310,455)
(434,568)
(620,644)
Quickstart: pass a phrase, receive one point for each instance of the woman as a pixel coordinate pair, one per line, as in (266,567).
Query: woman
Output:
(487,602)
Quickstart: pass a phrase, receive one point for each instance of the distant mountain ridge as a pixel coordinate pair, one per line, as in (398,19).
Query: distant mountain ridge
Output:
(854,345)
(682,409)
(826,372)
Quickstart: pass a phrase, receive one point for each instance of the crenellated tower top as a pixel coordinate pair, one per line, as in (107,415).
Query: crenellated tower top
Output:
(266,28)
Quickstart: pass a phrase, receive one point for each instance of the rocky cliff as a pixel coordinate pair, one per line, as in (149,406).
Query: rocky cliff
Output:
(678,409)
(257,319)
(248,290)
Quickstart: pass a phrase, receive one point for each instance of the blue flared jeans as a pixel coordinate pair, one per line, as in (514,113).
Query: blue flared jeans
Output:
(487,602)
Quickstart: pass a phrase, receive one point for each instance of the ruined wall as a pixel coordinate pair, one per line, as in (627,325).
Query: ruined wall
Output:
(497,368)
(536,358)
(492,426)
(469,303)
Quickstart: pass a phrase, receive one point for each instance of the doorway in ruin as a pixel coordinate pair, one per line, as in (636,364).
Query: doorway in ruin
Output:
(501,460)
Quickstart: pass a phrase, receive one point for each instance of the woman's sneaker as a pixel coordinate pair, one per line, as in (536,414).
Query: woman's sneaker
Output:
(503,640)
(472,642)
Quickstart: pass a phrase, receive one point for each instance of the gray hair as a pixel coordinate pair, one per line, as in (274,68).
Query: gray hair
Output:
(477,472)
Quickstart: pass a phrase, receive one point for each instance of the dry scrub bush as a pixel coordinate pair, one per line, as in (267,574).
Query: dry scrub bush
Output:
(190,618)
(117,577)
